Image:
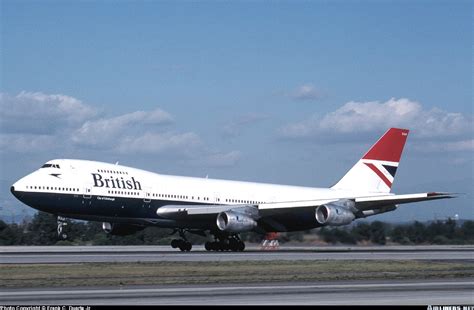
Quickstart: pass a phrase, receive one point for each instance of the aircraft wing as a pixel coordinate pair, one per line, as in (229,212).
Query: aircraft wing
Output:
(256,211)
(366,203)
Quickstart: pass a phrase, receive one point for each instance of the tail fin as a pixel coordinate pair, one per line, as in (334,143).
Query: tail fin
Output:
(375,172)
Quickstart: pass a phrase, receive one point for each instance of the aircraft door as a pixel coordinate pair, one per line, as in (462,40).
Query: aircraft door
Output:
(147,195)
(217,198)
(87,193)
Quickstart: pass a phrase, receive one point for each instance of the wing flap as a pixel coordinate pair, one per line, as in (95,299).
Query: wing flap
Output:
(183,211)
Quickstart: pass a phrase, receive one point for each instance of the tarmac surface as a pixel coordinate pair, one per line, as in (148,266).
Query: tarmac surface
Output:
(96,254)
(382,292)
(360,292)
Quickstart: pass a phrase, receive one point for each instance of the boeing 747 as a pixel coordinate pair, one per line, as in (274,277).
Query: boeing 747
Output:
(127,200)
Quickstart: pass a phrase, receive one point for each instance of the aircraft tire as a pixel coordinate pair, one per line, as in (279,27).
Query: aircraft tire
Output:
(174,243)
(188,246)
(233,245)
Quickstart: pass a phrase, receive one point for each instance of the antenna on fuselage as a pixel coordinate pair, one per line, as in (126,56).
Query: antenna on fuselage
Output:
(116,163)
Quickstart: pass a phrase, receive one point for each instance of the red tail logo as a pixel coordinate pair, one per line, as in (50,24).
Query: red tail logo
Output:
(389,147)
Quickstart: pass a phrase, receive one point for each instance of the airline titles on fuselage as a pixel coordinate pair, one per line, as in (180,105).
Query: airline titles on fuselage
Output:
(111,182)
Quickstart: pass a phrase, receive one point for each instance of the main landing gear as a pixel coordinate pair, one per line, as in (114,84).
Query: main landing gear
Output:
(224,242)
(183,244)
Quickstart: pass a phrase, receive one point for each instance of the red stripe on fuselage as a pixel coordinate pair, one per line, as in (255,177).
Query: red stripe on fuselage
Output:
(380,174)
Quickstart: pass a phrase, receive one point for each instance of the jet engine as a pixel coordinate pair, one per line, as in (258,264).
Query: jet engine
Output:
(235,222)
(335,213)
(119,229)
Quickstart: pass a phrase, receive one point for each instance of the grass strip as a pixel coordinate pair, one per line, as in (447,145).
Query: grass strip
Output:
(167,273)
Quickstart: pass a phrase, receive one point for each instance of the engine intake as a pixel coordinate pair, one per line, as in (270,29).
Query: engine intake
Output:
(335,214)
(235,222)
(119,229)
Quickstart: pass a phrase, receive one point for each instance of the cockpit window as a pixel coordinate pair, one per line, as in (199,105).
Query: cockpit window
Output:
(50,166)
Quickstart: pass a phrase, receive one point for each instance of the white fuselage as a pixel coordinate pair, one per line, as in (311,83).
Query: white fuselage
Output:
(105,192)
(81,177)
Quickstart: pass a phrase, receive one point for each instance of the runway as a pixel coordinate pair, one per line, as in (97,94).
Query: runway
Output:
(96,254)
(384,291)
(420,292)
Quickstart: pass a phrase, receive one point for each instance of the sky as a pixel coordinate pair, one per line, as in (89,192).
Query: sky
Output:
(268,91)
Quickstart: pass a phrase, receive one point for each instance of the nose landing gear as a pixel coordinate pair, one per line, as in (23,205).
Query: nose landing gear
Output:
(62,227)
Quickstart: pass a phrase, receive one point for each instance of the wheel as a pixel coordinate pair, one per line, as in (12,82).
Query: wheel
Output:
(240,246)
(64,236)
(184,245)
(225,247)
(233,245)
(174,243)
(219,246)
(181,245)
(208,246)
(188,246)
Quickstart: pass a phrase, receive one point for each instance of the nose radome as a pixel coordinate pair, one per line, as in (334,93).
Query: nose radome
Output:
(14,193)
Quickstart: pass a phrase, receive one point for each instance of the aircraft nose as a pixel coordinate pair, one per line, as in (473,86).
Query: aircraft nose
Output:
(12,189)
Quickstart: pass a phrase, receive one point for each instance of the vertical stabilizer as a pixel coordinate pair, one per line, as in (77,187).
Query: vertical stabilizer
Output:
(375,171)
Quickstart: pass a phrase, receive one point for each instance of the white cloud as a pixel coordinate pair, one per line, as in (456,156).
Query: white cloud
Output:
(26,143)
(358,117)
(455,146)
(187,147)
(306,92)
(38,122)
(39,113)
(106,131)
(222,159)
(158,143)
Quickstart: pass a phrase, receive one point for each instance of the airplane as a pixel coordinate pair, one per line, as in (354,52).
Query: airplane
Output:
(127,200)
